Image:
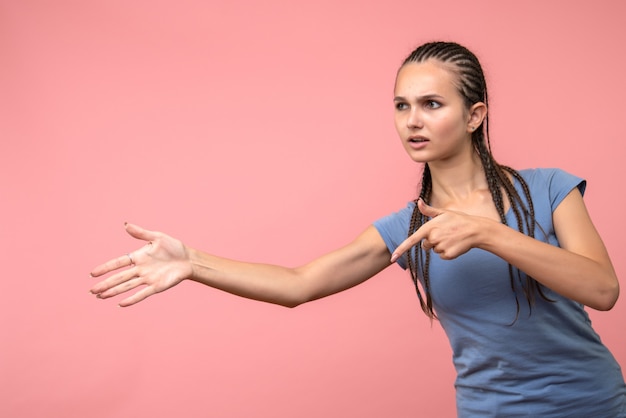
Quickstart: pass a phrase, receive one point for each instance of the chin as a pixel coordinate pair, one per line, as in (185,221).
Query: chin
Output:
(417,158)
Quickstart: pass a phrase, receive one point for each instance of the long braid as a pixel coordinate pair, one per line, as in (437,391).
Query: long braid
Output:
(423,257)
(472,87)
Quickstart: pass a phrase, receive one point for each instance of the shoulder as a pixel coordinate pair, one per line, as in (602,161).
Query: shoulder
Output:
(553,179)
(551,185)
(394,228)
(396,222)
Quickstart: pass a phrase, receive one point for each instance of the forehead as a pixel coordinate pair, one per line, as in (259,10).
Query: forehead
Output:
(424,78)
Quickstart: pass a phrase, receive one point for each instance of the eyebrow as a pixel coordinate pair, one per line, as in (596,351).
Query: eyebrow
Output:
(419,98)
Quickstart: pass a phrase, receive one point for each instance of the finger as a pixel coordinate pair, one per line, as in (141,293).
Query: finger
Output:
(126,260)
(138,296)
(427,210)
(427,245)
(408,243)
(138,232)
(121,288)
(113,281)
(117,263)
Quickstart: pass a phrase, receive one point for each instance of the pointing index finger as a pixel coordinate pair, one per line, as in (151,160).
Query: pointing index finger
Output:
(407,244)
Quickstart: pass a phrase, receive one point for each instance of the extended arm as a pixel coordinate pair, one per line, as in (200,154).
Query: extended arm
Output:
(165,262)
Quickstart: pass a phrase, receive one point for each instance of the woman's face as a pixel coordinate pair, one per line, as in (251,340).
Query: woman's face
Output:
(430,115)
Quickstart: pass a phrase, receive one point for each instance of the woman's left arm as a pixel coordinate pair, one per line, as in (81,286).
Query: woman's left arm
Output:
(580,269)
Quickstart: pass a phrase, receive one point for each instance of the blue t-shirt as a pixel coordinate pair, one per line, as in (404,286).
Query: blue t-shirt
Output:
(548,362)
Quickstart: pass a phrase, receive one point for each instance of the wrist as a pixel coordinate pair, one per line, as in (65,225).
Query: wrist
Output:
(202,266)
(488,233)
(192,260)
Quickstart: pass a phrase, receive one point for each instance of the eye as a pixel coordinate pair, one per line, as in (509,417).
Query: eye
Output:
(432,104)
(401,106)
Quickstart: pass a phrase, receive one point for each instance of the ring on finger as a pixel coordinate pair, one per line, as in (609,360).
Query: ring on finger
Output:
(130,257)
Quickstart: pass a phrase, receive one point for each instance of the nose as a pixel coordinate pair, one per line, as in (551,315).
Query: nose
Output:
(414,120)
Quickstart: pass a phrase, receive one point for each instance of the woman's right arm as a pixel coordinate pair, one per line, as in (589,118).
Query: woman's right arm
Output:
(164,262)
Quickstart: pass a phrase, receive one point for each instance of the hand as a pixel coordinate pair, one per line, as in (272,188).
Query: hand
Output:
(448,233)
(159,265)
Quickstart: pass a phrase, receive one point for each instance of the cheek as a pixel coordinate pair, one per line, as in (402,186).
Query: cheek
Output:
(452,125)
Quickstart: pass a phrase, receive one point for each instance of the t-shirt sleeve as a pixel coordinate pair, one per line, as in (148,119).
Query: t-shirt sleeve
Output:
(394,228)
(560,184)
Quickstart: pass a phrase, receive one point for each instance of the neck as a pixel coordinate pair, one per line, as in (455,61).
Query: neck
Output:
(455,182)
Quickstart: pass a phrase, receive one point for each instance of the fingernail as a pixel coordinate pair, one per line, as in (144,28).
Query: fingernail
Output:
(394,257)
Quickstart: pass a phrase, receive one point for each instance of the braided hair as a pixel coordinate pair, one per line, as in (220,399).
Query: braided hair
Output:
(471,84)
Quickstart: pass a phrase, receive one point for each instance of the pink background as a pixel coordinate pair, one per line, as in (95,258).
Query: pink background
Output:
(261,131)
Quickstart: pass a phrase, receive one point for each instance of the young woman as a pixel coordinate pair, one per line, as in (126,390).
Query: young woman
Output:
(505,259)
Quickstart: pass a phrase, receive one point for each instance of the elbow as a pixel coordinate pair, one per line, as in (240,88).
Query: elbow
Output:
(293,301)
(286,301)
(608,298)
(297,294)
(605,306)
(299,299)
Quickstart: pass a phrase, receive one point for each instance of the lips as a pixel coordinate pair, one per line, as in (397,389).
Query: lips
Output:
(417,142)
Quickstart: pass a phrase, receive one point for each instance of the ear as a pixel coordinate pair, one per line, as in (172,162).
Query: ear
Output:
(477,114)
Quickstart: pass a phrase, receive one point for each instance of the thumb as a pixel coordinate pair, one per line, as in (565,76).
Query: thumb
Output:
(427,210)
(138,232)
